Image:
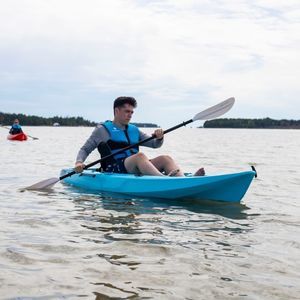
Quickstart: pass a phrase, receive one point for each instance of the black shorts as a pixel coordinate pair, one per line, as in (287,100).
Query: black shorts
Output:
(116,167)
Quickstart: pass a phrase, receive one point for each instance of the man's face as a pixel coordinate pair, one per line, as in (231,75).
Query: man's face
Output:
(124,113)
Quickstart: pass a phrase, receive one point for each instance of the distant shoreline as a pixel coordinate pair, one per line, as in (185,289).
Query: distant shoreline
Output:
(7,119)
(265,123)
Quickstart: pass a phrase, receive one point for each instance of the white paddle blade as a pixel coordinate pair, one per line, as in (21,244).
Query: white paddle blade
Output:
(215,111)
(44,184)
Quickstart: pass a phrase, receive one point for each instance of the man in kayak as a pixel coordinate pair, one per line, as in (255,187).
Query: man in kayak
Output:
(111,136)
(15,128)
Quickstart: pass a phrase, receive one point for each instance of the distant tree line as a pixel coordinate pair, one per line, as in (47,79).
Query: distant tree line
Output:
(253,123)
(28,120)
(145,124)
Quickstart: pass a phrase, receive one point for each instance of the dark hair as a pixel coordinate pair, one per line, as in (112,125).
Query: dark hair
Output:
(120,101)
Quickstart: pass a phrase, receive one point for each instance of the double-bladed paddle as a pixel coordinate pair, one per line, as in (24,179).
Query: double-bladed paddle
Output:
(210,113)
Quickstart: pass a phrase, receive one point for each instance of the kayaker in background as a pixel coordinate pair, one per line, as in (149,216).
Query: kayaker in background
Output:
(111,136)
(15,128)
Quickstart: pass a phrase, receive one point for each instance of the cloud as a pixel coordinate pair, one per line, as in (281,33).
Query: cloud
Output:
(75,57)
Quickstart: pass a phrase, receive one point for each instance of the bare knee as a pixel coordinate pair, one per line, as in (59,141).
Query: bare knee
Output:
(165,158)
(140,156)
(137,158)
(133,162)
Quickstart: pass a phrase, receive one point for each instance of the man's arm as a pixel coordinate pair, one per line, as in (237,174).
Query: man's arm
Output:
(98,135)
(155,143)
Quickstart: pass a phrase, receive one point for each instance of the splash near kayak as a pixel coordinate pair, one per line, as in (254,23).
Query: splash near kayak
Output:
(17,137)
(224,187)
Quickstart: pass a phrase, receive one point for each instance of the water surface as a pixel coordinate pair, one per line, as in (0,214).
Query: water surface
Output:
(70,244)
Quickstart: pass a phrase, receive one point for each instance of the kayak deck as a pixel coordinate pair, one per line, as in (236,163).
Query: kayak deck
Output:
(225,187)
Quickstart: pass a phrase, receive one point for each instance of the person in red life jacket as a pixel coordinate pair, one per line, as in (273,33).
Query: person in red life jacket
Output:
(15,128)
(111,136)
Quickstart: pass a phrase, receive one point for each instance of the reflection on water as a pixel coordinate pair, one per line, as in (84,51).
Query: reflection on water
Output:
(119,202)
(154,221)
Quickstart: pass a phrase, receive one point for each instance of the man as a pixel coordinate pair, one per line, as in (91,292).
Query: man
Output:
(15,128)
(112,136)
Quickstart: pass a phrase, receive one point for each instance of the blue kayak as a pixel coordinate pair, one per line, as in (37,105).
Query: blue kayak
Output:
(225,187)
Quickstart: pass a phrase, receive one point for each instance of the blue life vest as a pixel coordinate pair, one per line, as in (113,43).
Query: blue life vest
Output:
(119,139)
(15,129)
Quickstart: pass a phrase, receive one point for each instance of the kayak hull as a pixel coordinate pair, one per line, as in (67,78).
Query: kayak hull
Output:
(17,137)
(225,187)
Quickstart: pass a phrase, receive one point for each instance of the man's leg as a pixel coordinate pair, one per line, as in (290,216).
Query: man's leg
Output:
(200,172)
(140,164)
(165,163)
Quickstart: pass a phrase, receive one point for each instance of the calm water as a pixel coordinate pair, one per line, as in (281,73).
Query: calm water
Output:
(67,244)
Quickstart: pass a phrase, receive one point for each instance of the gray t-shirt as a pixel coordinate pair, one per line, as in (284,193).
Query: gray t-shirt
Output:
(100,134)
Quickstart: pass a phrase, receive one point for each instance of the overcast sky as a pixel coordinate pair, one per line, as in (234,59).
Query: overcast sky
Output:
(176,57)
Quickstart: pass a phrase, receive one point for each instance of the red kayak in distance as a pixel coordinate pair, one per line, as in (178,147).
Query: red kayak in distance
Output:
(17,137)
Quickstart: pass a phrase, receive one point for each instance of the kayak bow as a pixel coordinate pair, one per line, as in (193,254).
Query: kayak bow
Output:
(225,187)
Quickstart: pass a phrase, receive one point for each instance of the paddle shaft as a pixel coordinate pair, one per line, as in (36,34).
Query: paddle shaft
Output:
(127,148)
